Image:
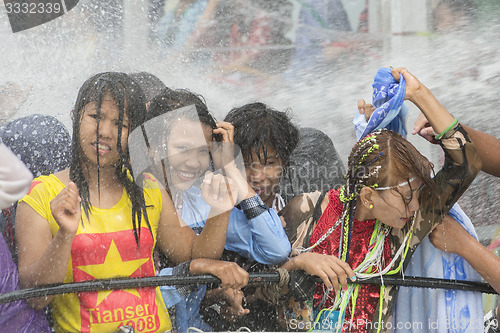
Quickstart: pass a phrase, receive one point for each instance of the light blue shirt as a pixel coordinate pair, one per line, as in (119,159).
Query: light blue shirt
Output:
(262,238)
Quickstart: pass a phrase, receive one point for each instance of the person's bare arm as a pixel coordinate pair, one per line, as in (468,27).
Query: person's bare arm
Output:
(176,239)
(416,92)
(43,259)
(450,236)
(488,148)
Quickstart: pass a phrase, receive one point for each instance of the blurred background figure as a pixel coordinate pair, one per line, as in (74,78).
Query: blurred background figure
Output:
(150,84)
(12,96)
(250,42)
(318,35)
(315,165)
(452,15)
(181,27)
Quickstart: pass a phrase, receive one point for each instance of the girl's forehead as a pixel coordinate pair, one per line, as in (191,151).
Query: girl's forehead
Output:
(106,98)
(184,124)
(108,108)
(265,152)
(184,129)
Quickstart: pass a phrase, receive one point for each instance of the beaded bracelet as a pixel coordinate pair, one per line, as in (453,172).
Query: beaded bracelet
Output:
(253,207)
(453,124)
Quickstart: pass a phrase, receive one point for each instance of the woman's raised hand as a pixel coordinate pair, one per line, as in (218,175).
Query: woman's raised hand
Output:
(423,128)
(413,85)
(224,159)
(65,208)
(422,97)
(226,129)
(366,109)
(224,155)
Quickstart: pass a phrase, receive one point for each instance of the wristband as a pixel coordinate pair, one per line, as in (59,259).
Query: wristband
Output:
(182,269)
(453,124)
(253,207)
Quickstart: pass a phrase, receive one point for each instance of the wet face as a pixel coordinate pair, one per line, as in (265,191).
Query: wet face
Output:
(396,205)
(106,144)
(188,153)
(264,175)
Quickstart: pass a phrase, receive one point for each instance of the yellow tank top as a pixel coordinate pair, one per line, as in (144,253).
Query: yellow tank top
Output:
(105,247)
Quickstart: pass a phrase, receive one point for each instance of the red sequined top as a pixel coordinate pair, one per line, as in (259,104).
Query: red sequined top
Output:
(368,296)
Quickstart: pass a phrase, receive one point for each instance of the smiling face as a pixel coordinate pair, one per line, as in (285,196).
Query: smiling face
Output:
(394,206)
(188,154)
(105,145)
(263,174)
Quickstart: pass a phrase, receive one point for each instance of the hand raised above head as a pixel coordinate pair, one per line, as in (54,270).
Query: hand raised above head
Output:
(65,208)
(223,152)
(413,85)
(366,109)
(423,128)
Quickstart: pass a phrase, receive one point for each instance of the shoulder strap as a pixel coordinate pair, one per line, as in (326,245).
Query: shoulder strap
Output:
(315,217)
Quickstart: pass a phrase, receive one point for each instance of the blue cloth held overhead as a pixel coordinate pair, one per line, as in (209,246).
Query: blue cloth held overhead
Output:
(388,98)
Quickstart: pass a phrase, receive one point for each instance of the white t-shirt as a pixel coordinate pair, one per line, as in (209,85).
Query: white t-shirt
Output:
(15,178)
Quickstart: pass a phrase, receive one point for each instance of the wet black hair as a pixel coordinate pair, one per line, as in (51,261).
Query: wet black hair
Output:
(150,84)
(258,127)
(130,100)
(170,100)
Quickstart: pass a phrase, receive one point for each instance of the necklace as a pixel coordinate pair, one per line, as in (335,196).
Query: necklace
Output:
(371,266)
(178,203)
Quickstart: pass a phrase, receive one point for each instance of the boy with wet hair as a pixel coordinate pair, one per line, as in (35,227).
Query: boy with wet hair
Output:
(267,138)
